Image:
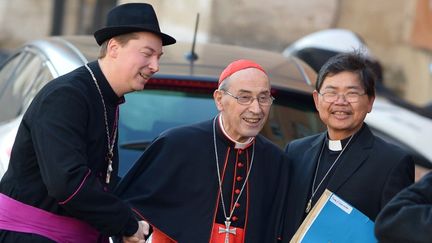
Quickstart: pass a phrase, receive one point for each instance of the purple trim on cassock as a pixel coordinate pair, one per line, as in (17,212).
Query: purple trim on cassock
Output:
(77,190)
(20,217)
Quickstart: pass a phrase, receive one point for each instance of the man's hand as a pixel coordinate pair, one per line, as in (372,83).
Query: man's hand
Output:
(138,237)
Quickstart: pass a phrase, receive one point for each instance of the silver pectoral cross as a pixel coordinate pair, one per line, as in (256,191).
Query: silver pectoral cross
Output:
(109,168)
(309,206)
(227,230)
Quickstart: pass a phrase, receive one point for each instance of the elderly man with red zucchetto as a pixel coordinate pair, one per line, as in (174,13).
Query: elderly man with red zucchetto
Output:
(218,180)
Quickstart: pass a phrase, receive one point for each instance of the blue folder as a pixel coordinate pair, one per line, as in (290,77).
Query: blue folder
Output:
(334,220)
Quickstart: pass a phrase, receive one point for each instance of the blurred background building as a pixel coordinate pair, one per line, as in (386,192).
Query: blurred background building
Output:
(398,32)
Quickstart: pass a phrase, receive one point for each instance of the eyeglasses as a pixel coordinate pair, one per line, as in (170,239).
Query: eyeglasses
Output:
(248,99)
(351,97)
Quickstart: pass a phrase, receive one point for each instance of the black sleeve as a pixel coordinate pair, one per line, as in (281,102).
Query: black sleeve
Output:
(59,136)
(408,216)
(400,177)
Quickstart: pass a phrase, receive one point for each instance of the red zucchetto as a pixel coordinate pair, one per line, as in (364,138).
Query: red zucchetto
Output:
(237,66)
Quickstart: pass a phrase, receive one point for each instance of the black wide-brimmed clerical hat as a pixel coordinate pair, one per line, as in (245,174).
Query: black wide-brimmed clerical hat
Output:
(131,17)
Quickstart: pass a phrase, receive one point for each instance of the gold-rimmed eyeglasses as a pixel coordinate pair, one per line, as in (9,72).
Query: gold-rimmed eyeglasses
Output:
(351,97)
(263,99)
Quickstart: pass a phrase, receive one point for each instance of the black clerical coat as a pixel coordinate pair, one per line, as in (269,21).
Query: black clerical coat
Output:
(174,185)
(368,174)
(58,159)
(408,216)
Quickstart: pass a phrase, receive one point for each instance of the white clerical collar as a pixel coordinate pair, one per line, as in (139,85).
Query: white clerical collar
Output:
(335,145)
(238,145)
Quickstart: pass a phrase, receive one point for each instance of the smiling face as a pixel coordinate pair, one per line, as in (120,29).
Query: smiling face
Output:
(135,61)
(242,122)
(341,117)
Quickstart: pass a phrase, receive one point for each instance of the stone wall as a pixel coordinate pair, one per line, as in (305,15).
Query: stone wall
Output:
(387,28)
(23,20)
(251,23)
(385,25)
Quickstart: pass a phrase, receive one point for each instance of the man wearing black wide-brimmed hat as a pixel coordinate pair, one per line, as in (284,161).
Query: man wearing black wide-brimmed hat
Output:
(64,160)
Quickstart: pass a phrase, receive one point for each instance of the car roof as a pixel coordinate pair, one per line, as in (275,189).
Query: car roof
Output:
(291,73)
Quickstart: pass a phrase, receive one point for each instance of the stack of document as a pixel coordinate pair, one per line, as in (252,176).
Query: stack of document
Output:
(334,220)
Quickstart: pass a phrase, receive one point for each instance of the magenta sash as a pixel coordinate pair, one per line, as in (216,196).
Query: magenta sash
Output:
(20,217)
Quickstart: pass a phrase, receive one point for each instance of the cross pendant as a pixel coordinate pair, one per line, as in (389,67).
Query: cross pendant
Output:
(109,170)
(309,206)
(227,230)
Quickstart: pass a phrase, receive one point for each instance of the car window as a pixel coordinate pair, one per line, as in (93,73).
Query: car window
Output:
(7,112)
(43,76)
(20,79)
(289,120)
(147,113)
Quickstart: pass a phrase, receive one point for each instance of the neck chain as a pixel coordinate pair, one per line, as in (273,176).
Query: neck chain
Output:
(110,143)
(314,190)
(227,230)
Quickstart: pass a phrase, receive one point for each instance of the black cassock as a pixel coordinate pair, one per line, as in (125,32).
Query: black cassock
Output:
(58,158)
(174,185)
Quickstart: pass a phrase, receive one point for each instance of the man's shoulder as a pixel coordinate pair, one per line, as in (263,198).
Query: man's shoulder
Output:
(367,138)
(305,141)
(74,80)
(389,148)
(267,144)
(188,132)
(64,90)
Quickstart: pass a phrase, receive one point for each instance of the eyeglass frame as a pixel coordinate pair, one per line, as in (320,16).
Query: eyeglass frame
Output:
(345,97)
(271,99)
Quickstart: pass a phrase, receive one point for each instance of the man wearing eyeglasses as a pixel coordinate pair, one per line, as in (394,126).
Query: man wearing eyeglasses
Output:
(347,159)
(219,180)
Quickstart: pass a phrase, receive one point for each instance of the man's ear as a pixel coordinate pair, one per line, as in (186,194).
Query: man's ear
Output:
(112,48)
(370,103)
(315,98)
(217,96)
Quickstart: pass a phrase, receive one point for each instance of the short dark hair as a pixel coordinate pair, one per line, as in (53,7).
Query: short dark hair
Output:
(354,62)
(122,39)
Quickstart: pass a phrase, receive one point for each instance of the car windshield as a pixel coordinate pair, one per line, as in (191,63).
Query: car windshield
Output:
(149,112)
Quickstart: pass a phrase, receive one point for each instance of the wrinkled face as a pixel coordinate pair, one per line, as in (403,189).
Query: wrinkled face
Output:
(342,117)
(137,61)
(244,121)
